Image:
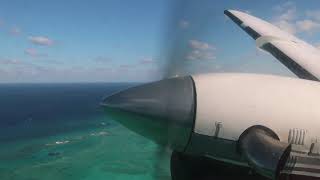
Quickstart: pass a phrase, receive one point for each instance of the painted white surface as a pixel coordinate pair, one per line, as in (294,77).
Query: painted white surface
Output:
(264,28)
(301,52)
(240,101)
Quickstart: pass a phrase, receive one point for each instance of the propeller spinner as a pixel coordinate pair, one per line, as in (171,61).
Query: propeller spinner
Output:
(163,111)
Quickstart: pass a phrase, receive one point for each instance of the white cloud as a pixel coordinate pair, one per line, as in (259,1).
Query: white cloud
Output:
(126,66)
(200,51)
(184,24)
(6,61)
(285,17)
(194,44)
(289,19)
(314,14)
(33,52)
(147,61)
(14,31)
(308,25)
(22,71)
(41,40)
(101,59)
(317,45)
(288,14)
(286,26)
(200,55)
(284,6)
(13,62)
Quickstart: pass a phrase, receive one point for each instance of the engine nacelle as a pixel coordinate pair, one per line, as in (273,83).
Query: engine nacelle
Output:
(206,115)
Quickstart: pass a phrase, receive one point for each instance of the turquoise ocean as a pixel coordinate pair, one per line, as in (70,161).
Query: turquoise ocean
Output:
(59,131)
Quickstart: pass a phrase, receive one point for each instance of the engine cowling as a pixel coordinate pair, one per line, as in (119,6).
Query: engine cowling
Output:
(207,115)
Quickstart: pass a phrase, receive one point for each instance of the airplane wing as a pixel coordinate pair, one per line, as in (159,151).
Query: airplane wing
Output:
(300,57)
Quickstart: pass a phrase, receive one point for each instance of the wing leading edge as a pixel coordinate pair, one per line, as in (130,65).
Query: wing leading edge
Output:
(300,57)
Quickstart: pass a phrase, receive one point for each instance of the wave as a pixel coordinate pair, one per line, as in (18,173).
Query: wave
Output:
(101,133)
(58,143)
(96,134)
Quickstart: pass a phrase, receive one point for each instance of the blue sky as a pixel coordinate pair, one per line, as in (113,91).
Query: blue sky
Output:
(112,40)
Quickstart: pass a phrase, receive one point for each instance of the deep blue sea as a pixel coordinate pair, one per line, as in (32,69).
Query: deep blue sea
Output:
(59,131)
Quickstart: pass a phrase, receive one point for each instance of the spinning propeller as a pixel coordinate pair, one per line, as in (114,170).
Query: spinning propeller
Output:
(255,122)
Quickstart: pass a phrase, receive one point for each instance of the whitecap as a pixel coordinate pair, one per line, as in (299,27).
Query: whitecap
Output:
(101,133)
(62,142)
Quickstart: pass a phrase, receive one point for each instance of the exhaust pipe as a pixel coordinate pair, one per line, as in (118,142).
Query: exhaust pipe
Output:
(263,150)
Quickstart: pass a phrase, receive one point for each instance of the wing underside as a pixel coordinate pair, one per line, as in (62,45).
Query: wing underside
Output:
(298,56)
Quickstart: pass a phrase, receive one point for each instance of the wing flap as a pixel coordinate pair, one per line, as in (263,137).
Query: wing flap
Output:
(289,56)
